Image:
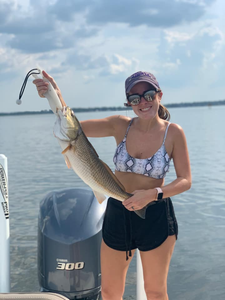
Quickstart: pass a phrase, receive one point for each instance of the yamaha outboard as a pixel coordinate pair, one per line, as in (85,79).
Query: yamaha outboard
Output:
(69,240)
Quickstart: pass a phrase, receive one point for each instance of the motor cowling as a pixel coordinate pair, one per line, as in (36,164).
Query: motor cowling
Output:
(69,239)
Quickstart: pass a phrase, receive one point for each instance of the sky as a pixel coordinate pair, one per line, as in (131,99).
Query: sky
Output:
(91,46)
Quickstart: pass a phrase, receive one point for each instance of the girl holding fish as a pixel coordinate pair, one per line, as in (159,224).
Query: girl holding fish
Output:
(145,146)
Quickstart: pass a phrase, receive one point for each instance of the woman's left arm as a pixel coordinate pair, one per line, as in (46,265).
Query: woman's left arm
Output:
(181,184)
(181,162)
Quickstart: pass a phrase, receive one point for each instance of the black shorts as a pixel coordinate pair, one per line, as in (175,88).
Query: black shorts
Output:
(124,230)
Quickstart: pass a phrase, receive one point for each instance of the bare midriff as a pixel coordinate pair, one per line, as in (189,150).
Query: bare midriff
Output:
(132,181)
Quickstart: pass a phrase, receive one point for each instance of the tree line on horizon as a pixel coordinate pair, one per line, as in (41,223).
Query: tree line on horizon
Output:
(118,108)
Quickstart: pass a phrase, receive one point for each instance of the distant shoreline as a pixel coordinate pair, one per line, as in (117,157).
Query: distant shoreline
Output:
(90,109)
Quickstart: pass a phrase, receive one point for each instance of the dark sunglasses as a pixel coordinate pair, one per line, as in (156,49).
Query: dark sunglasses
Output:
(135,99)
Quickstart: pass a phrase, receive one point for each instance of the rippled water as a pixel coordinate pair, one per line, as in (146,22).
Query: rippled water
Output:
(36,167)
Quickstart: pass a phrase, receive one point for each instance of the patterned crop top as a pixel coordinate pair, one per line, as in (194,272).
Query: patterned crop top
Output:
(155,166)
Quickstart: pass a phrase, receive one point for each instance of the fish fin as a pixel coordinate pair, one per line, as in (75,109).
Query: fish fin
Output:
(67,161)
(100,197)
(113,175)
(141,212)
(66,149)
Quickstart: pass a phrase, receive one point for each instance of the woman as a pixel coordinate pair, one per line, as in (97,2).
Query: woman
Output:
(145,146)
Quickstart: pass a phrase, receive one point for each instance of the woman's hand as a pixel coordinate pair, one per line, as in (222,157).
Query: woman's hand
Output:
(42,87)
(140,199)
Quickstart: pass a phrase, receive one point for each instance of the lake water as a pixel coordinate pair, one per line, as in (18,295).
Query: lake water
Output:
(36,167)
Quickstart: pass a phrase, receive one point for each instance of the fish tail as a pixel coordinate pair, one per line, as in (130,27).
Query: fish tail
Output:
(141,212)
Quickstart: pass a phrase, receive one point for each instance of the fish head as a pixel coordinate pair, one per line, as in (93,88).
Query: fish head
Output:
(67,126)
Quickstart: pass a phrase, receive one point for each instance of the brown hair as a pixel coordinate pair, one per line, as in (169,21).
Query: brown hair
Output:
(163,112)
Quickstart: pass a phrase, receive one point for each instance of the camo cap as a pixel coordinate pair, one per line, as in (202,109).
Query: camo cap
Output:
(140,77)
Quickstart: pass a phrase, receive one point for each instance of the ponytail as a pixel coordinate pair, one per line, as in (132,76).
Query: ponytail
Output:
(163,112)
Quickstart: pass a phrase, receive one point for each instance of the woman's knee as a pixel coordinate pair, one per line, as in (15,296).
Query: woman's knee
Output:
(111,293)
(156,294)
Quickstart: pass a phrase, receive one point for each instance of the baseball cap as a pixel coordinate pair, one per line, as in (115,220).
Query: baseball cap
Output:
(140,77)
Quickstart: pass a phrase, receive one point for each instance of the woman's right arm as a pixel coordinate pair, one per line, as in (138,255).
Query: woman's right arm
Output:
(109,126)
(92,128)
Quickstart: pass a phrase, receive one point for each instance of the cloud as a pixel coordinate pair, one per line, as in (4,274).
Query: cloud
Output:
(7,63)
(171,65)
(121,64)
(66,10)
(26,31)
(104,65)
(5,72)
(40,42)
(173,37)
(14,20)
(85,61)
(189,57)
(48,26)
(38,30)
(156,13)
(26,26)
(5,11)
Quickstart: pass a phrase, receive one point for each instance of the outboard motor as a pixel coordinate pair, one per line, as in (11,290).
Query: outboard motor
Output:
(69,240)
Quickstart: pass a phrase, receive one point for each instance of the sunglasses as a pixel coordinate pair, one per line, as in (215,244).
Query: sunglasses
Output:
(135,99)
